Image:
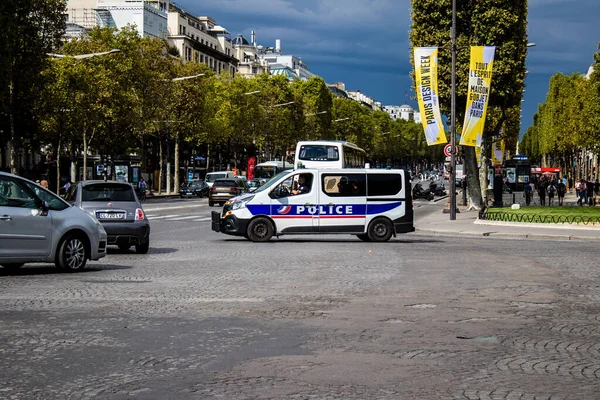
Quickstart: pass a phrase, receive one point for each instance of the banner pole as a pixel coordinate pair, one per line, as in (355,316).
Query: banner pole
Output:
(453,118)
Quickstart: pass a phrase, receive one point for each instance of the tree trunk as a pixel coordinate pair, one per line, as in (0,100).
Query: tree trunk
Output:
(472,171)
(160,166)
(176,181)
(11,118)
(85,150)
(58,165)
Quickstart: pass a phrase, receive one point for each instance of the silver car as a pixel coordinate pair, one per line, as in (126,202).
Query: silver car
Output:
(38,226)
(118,209)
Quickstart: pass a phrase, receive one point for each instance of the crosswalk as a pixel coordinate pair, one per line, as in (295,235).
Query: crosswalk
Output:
(177,217)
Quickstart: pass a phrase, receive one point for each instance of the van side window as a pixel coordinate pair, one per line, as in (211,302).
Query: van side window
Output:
(347,185)
(384,184)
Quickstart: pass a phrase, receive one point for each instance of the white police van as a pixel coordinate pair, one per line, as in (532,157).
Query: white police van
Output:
(372,204)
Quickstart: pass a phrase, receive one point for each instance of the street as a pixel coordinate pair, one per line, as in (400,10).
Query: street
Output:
(209,316)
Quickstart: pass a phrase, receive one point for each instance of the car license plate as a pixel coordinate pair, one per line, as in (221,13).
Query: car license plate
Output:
(105,215)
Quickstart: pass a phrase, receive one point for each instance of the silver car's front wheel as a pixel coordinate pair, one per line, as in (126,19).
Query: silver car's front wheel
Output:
(72,255)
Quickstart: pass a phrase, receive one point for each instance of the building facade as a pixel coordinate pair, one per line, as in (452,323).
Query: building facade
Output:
(404,112)
(249,62)
(201,40)
(284,64)
(149,16)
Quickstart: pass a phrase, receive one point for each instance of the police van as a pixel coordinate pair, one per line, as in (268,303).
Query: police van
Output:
(372,204)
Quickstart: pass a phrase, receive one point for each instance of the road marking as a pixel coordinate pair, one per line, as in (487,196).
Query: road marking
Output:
(202,219)
(167,216)
(172,208)
(183,218)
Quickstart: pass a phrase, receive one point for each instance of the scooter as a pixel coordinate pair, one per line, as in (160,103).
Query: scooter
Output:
(438,190)
(419,193)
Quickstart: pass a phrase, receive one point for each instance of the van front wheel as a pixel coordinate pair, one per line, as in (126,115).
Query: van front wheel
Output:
(380,230)
(364,237)
(260,230)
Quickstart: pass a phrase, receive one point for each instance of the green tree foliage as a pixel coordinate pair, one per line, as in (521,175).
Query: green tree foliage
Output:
(479,23)
(30,30)
(566,122)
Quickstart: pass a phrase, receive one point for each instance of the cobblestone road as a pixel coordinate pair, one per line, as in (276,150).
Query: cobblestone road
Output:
(206,316)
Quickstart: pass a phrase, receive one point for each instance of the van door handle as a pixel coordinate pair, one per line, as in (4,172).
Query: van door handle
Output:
(330,205)
(5,218)
(308,205)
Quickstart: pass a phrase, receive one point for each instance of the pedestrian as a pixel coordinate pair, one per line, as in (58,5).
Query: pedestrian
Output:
(542,193)
(590,191)
(561,189)
(527,193)
(582,201)
(551,189)
(577,190)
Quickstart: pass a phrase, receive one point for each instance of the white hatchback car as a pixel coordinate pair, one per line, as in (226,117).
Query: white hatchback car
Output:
(38,226)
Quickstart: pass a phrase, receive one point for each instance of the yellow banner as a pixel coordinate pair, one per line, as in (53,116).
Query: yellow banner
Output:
(426,75)
(480,81)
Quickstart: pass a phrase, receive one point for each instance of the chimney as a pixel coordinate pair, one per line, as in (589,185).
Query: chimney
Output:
(253,39)
(278,46)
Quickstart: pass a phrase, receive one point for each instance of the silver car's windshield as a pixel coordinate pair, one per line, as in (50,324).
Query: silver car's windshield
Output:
(107,192)
(272,181)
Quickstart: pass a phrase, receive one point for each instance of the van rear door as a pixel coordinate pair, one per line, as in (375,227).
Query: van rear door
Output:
(342,201)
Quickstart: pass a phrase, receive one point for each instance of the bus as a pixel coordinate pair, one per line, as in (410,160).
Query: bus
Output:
(269,169)
(329,154)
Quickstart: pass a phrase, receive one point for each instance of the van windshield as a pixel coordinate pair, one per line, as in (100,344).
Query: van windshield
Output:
(213,177)
(271,182)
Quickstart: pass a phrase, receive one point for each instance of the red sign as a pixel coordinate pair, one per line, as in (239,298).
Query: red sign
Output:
(251,165)
(448,150)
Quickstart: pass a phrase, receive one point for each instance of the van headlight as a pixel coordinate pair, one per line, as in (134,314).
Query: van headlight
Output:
(241,203)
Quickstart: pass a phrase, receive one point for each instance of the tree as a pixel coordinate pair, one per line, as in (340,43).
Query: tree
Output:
(30,30)
(483,22)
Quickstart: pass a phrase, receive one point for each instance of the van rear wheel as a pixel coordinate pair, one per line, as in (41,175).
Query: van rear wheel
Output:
(380,230)
(260,230)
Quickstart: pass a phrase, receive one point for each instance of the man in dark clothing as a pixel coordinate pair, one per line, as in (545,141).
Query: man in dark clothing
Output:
(542,192)
(528,193)
(590,192)
(560,191)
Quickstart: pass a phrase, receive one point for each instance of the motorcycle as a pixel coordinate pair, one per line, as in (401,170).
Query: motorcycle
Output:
(419,193)
(438,190)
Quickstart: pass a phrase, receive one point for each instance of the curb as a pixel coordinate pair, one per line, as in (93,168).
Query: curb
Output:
(536,225)
(507,235)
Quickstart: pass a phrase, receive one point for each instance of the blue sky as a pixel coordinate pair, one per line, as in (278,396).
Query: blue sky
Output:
(364,43)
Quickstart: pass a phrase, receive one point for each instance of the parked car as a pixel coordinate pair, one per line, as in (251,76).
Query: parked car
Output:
(118,209)
(38,226)
(195,188)
(226,188)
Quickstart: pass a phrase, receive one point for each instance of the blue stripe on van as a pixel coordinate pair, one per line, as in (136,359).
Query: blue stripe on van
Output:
(290,210)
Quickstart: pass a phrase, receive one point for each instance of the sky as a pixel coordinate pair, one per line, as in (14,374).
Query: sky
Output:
(364,43)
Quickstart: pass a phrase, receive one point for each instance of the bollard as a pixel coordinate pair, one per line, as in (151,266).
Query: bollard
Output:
(514,198)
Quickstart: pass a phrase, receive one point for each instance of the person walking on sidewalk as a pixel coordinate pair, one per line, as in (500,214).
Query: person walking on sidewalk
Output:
(542,193)
(590,192)
(528,192)
(561,189)
(582,201)
(551,189)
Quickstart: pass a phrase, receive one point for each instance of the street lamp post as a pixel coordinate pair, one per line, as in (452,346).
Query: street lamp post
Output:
(453,118)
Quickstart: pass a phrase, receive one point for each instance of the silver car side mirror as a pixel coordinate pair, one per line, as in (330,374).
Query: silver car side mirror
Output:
(45,207)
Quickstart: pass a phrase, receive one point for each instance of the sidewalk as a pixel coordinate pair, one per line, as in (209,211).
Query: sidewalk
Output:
(468,224)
